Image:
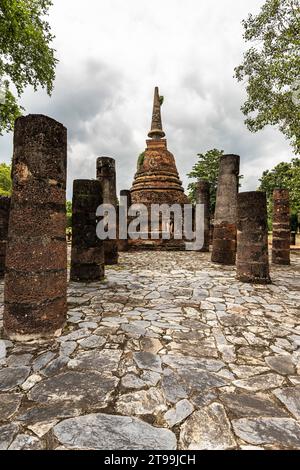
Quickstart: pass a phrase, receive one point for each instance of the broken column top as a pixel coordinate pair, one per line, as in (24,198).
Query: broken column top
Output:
(103,161)
(230,164)
(81,186)
(156,131)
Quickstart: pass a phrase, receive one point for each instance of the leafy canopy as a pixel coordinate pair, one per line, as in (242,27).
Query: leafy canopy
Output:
(283,176)
(271,69)
(26,57)
(5,179)
(206,168)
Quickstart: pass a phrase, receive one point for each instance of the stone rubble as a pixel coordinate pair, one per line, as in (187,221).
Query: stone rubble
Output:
(169,351)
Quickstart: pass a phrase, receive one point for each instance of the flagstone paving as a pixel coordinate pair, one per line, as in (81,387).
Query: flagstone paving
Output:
(170,351)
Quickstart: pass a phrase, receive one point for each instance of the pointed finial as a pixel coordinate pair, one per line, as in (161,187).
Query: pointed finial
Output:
(156,126)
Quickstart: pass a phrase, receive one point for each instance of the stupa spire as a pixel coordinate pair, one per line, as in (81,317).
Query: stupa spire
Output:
(156,125)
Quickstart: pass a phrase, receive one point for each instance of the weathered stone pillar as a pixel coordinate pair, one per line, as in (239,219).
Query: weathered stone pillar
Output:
(224,238)
(35,291)
(106,174)
(252,238)
(4,217)
(124,244)
(281,227)
(203,197)
(87,258)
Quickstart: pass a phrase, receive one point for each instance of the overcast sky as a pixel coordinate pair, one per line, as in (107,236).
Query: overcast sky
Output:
(113,53)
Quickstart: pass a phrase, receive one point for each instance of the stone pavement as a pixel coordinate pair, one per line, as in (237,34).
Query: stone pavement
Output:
(170,351)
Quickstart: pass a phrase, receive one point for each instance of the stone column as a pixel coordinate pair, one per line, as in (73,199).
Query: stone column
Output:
(4,217)
(106,174)
(203,197)
(281,227)
(87,258)
(124,244)
(224,238)
(252,238)
(35,293)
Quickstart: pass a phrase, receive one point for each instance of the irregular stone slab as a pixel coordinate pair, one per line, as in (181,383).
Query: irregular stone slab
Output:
(132,381)
(67,348)
(40,429)
(56,366)
(207,429)
(7,434)
(9,405)
(144,402)
(232,319)
(92,342)
(109,432)
(200,380)
(105,361)
(42,360)
(148,361)
(260,382)
(75,335)
(150,378)
(151,345)
(173,389)
(19,360)
(290,397)
(11,377)
(246,404)
(43,414)
(281,364)
(180,412)
(177,362)
(31,382)
(280,432)
(84,389)
(2,350)
(243,371)
(26,442)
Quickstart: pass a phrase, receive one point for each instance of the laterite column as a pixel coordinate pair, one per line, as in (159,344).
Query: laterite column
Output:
(4,217)
(106,174)
(87,258)
(281,227)
(124,244)
(224,238)
(203,197)
(35,291)
(252,238)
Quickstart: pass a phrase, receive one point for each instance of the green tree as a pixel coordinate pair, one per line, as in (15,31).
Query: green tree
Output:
(206,168)
(26,57)
(271,69)
(283,176)
(5,179)
(69,214)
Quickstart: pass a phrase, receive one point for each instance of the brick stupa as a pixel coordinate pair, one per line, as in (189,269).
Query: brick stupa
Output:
(157,180)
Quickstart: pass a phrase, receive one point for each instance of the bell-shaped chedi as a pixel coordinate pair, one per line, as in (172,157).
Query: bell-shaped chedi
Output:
(157,180)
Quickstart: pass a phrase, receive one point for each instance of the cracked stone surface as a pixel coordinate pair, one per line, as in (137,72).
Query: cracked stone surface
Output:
(170,351)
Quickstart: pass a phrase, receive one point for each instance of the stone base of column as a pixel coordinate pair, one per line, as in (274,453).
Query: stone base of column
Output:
(111,255)
(33,338)
(252,238)
(281,250)
(224,244)
(281,227)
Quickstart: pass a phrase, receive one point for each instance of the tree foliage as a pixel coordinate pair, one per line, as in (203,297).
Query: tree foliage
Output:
(271,69)
(5,179)
(69,214)
(206,168)
(26,58)
(283,176)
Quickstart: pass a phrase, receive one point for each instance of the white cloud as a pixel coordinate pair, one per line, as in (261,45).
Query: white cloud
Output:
(112,53)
